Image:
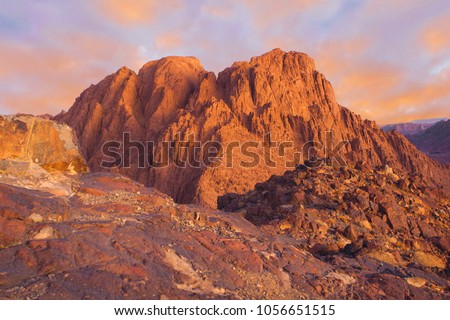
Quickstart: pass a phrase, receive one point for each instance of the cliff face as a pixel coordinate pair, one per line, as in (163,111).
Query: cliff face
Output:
(277,97)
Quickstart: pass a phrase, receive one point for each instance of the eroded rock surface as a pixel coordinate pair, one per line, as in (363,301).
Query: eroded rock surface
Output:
(27,140)
(116,239)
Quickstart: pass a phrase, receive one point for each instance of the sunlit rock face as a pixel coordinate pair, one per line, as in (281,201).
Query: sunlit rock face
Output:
(279,95)
(45,143)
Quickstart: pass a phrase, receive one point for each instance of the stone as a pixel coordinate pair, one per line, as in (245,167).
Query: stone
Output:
(285,225)
(366,224)
(417,282)
(426,230)
(396,216)
(352,233)
(429,260)
(28,138)
(384,256)
(377,221)
(443,243)
(46,232)
(36,217)
(403,184)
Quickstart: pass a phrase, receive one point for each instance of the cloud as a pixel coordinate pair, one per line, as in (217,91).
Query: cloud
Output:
(266,13)
(218,10)
(436,35)
(168,41)
(135,12)
(387,60)
(47,79)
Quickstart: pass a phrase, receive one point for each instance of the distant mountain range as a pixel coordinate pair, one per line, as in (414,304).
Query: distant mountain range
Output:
(435,141)
(413,127)
(431,136)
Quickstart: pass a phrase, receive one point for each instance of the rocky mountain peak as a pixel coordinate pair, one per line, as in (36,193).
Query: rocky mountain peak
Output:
(278,93)
(302,61)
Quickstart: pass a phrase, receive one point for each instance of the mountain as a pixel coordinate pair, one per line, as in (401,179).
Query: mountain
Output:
(408,128)
(312,233)
(434,141)
(429,121)
(413,127)
(275,98)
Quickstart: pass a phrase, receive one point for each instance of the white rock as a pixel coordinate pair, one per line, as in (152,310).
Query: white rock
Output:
(36,217)
(417,282)
(45,233)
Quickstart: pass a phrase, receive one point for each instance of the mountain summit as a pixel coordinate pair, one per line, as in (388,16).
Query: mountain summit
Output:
(274,99)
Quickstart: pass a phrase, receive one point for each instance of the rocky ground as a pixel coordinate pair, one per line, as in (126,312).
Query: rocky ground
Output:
(389,234)
(313,233)
(291,238)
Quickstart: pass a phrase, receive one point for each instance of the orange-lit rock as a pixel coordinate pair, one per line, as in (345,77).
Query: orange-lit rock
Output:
(278,93)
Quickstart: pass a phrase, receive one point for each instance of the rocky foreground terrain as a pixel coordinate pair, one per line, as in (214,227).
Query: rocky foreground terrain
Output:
(337,233)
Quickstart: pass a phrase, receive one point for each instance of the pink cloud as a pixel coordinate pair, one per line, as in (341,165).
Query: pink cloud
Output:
(436,35)
(169,40)
(220,10)
(37,79)
(136,11)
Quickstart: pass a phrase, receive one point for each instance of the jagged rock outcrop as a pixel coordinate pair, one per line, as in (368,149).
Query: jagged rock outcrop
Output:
(38,153)
(28,139)
(278,93)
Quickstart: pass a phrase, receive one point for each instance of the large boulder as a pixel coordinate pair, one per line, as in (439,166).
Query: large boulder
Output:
(27,141)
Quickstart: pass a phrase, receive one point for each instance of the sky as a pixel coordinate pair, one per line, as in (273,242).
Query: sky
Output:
(388,60)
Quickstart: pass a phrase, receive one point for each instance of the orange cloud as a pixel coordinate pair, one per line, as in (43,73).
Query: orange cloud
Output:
(380,91)
(168,40)
(265,13)
(41,79)
(436,35)
(135,11)
(221,10)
